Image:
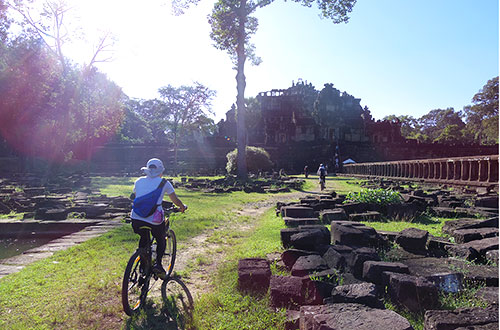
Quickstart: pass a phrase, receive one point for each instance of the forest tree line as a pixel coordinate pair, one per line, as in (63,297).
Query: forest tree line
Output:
(475,123)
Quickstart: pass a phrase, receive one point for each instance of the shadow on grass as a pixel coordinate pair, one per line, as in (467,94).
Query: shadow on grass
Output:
(425,220)
(111,180)
(175,314)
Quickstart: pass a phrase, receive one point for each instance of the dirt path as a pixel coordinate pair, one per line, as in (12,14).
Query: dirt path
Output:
(211,255)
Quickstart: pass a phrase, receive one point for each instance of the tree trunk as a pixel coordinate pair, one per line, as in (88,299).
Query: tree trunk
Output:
(240,99)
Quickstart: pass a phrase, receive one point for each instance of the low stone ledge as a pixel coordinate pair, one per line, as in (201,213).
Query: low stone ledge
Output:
(462,317)
(350,317)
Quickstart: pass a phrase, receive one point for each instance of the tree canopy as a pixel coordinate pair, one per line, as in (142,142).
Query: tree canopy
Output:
(482,115)
(477,123)
(232,27)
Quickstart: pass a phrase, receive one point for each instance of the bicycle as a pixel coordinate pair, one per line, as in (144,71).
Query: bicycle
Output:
(139,271)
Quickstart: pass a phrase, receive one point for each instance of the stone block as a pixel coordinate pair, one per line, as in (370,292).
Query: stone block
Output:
(354,207)
(412,292)
(468,223)
(309,239)
(295,222)
(334,259)
(468,318)
(448,212)
(318,287)
(290,256)
(286,291)
(487,201)
(358,257)
(360,293)
(254,275)
(308,264)
(372,270)
(298,212)
(413,239)
(430,267)
(327,216)
(286,234)
(346,233)
(472,234)
(350,317)
(366,216)
(403,211)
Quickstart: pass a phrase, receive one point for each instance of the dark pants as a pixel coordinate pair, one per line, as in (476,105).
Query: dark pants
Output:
(158,231)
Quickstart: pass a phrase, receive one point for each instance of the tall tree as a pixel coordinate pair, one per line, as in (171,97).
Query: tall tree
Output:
(53,24)
(232,27)
(181,107)
(482,115)
(53,113)
(433,123)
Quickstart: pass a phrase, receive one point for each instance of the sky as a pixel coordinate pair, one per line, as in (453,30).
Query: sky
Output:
(402,57)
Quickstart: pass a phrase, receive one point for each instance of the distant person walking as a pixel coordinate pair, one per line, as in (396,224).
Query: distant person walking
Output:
(322,175)
(306,171)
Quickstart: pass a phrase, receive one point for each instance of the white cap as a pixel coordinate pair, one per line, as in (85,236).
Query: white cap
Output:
(153,168)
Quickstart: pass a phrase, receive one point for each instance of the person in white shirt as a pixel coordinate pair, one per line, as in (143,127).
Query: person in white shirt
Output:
(155,223)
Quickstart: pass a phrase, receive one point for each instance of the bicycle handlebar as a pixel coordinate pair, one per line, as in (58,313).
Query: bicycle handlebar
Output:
(170,207)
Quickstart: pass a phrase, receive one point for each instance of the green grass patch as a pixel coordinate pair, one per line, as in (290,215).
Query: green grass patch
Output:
(339,184)
(12,215)
(433,225)
(416,319)
(73,287)
(465,298)
(226,307)
(81,286)
(375,196)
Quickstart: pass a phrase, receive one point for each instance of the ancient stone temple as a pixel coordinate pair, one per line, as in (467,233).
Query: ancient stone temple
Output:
(301,125)
(303,114)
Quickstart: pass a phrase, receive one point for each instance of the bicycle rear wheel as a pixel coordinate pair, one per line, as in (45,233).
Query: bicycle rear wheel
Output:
(177,301)
(135,285)
(170,252)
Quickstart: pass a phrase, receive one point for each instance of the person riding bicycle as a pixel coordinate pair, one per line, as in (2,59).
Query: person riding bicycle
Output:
(154,223)
(322,173)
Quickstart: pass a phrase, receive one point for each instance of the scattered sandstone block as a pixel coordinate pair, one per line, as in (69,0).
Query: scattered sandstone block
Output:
(350,317)
(360,293)
(412,292)
(254,275)
(309,264)
(286,291)
(290,256)
(372,270)
(413,239)
(462,317)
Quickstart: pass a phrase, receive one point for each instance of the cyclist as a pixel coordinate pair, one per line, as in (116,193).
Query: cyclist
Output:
(322,174)
(154,223)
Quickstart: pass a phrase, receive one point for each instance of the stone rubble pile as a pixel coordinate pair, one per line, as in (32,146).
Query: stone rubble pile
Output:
(59,199)
(340,274)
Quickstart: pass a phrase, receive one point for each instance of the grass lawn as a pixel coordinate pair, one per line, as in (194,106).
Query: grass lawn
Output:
(80,287)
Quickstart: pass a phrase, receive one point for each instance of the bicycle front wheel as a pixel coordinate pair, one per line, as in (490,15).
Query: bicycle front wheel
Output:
(177,301)
(170,252)
(135,285)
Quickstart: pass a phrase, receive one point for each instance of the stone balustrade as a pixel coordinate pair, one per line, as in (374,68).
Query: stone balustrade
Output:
(471,170)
